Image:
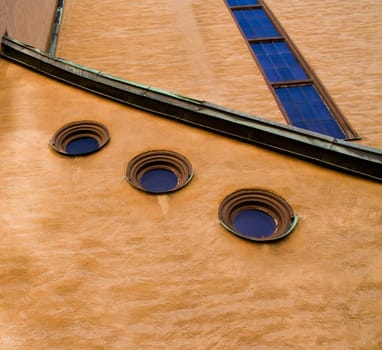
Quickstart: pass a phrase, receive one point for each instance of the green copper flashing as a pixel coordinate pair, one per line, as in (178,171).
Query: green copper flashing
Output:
(323,150)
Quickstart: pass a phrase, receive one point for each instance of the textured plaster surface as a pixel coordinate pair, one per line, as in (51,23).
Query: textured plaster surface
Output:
(88,262)
(28,21)
(193,47)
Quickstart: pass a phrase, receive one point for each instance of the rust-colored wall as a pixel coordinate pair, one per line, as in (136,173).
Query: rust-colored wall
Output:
(28,21)
(88,262)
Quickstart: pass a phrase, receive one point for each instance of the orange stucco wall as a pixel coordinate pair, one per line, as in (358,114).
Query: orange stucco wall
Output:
(88,262)
(28,21)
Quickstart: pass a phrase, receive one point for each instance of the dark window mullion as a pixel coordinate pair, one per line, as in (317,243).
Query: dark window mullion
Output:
(245,7)
(266,40)
(291,83)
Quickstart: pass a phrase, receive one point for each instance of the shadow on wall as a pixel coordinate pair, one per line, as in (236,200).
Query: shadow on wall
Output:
(28,21)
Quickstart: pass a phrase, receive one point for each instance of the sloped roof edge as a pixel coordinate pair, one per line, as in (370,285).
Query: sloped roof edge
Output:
(327,151)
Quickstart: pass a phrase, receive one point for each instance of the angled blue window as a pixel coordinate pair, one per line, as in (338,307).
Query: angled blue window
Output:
(242,2)
(306,109)
(289,77)
(255,24)
(278,62)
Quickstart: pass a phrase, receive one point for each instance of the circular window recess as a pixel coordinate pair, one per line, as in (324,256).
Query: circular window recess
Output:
(80,138)
(159,171)
(257,215)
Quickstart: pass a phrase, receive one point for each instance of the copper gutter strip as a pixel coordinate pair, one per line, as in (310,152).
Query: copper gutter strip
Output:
(320,149)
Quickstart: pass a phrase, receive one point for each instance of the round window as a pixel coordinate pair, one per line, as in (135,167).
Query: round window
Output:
(159,171)
(80,138)
(257,215)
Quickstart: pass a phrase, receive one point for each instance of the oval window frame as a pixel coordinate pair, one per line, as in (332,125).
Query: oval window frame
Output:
(76,130)
(261,200)
(159,159)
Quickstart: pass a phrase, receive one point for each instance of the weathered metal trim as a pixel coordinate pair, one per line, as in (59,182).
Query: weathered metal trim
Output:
(56,28)
(327,151)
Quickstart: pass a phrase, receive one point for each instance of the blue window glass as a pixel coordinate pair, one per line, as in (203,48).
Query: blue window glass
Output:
(254,223)
(81,146)
(255,24)
(241,2)
(159,180)
(278,62)
(306,109)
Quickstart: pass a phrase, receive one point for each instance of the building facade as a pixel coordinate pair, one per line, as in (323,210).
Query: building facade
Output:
(90,262)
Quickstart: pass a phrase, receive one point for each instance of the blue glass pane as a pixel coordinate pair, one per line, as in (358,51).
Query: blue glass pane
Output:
(254,223)
(241,2)
(326,127)
(159,180)
(82,145)
(255,24)
(306,109)
(278,62)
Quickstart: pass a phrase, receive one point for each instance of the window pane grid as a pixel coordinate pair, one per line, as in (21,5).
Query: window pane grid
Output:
(288,75)
(278,62)
(306,109)
(255,23)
